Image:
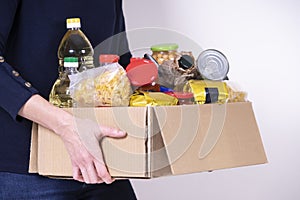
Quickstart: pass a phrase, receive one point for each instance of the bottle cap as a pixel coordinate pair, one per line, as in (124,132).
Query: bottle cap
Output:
(70,62)
(108,58)
(212,65)
(73,23)
(165,47)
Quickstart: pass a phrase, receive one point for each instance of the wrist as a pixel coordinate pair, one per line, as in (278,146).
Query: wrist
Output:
(64,124)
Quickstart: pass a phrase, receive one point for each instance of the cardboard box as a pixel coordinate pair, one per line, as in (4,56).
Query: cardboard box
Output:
(161,141)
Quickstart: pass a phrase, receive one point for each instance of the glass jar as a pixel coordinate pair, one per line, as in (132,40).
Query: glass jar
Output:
(164,52)
(184,98)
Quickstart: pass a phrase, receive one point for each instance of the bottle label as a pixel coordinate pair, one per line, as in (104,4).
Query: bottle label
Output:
(212,95)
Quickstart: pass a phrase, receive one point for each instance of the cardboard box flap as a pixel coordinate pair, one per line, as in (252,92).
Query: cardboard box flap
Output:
(209,137)
(158,160)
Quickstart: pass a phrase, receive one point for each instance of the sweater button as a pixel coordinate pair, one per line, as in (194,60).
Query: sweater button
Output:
(15,73)
(27,84)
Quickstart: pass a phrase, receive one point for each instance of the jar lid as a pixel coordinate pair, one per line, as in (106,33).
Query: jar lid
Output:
(186,62)
(108,58)
(141,72)
(183,95)
(165,47)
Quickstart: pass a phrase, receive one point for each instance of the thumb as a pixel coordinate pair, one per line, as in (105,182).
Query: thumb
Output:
(111,132)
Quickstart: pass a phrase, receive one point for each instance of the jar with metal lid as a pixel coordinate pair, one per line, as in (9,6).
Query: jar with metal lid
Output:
(184,98)
(164,52)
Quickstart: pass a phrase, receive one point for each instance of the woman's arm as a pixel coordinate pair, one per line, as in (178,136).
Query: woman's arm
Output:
(86,167)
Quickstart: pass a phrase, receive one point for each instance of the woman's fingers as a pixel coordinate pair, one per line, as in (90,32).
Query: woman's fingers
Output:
(103,173)
(111,132)
(77,174)
(93,172)
(82,143)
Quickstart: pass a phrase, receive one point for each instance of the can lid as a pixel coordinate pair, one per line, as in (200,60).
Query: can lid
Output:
(183,95)
(108,58)
(165,47)
(73,23)
(212,65)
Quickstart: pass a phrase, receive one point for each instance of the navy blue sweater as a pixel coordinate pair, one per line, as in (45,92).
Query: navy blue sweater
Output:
(30,33)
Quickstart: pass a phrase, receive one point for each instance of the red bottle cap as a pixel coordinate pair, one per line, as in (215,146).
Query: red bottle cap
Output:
(108,58)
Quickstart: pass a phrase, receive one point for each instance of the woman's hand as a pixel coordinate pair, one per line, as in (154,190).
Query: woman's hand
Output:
(80,136)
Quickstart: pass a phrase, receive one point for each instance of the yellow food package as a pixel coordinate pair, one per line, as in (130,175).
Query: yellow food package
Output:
(207,91)
(140,98)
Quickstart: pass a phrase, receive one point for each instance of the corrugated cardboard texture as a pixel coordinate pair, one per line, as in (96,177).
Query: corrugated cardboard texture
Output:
(162,140)
(210,137)
(33,162)
(124,157)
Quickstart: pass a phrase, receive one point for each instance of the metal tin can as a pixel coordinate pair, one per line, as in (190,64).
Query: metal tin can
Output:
(213,65)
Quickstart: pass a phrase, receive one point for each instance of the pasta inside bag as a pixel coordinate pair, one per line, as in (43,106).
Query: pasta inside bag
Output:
(102,86)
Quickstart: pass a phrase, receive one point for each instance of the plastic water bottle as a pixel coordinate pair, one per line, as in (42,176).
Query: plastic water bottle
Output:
(75,44)
(60,93)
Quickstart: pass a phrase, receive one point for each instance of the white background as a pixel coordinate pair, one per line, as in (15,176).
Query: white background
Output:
(261,39)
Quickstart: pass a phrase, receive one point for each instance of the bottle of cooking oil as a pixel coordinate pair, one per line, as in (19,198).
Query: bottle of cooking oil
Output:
(75,44)
(60,93)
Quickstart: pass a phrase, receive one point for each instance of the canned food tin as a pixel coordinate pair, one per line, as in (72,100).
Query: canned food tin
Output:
(213,65)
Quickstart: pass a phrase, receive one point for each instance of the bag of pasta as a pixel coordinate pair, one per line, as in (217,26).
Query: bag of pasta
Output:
(102,86)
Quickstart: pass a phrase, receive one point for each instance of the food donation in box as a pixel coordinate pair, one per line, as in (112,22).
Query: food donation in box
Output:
(182,115)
